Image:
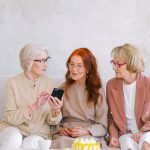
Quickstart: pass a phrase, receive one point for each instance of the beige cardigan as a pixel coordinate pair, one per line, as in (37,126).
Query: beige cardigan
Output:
(22,92)
(78,113)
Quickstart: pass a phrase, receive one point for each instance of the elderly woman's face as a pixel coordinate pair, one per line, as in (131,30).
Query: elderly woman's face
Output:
(120,68)
(77,69)
(40,64)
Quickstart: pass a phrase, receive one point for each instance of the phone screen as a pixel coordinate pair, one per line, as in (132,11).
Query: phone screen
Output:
(57,92)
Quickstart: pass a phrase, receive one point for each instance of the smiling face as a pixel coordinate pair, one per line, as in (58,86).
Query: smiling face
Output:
(77,69)
(40,64)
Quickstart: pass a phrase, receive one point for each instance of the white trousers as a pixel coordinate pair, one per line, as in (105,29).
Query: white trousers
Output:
(126,142)
(11,139)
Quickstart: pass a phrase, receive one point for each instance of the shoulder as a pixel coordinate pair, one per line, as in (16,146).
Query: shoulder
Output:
(112,82)
(15,79)
(48,80)
(144,79)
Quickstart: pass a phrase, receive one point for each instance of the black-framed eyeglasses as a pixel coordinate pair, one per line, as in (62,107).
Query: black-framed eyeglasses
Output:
(118,65)
(43,60)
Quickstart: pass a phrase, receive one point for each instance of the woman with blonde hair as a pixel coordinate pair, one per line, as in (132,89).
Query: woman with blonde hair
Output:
(29,108)
(85,108)
(128,98)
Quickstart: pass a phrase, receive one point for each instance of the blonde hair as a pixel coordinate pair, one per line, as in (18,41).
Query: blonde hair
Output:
(131,56)
(28,53)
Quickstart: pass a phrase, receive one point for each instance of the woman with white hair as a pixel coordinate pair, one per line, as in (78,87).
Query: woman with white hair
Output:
(29,107)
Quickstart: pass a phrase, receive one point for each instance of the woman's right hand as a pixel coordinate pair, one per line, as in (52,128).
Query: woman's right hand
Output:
(65,131)
(114,142)
(41,99)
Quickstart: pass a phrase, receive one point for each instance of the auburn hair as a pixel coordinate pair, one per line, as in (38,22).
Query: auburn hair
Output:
(93,81)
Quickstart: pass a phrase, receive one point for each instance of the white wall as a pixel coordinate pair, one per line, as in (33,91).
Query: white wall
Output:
(64,25)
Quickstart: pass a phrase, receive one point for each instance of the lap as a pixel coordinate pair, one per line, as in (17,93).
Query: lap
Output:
(10,137)
(66,141)
(31,141)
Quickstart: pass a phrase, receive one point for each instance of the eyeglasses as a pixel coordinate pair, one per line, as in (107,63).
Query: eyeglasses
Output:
(79,67)
(118,65)
(43,60)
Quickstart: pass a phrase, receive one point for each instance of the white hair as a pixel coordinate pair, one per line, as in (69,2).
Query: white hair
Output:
(28,53)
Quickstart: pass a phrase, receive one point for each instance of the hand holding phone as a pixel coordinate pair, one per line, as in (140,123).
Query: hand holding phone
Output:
(55,101)
(57,92)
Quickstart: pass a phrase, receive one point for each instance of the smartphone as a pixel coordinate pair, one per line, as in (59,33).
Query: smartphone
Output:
(57,92)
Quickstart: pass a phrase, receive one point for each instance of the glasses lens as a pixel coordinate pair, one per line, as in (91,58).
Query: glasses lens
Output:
(112,62)
(47,60)
(79,67)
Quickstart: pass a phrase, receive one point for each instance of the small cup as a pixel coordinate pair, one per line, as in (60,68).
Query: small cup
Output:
(44,144)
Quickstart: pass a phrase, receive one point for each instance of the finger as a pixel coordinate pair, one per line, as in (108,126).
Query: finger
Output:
(113,142)
(74,135)
(54,100)
(113,145)
(60,102)
(66,131)
(63,133)
(46,97)
(75,130)
(51,103)
(43,100)
(69,129)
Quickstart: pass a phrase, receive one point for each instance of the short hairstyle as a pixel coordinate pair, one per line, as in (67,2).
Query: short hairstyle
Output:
(28,53)
(93,80)
(131,56)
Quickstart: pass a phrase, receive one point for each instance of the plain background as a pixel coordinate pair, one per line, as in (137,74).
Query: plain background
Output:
(64,25)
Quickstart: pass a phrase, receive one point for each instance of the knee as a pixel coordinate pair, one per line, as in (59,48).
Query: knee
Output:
(145,138)
(126,142)
(124,138)
(13,131)
(145,146)
(31,141)
(10,133)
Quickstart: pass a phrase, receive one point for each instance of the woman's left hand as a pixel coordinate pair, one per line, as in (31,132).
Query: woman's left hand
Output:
(79,131)
(136,136)
(55,105)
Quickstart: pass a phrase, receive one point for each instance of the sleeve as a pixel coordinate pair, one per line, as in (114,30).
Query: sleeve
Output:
(99,128)
(53,120)
(145,116)
(14,115)
(112,128)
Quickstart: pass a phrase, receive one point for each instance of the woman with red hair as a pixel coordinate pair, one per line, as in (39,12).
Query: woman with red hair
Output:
(85,108)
